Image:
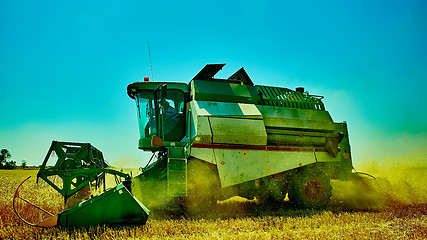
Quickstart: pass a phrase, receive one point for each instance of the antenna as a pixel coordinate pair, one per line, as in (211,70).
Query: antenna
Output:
(151,63)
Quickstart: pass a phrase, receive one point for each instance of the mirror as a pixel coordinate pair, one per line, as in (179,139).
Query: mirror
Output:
(164,90)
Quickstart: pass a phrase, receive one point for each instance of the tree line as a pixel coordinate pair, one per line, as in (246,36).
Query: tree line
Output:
(5,162)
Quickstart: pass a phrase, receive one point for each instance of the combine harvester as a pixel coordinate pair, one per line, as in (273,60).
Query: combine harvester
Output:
(217,138)
(213,139)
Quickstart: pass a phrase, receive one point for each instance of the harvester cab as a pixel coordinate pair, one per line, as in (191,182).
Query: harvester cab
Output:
(161,113)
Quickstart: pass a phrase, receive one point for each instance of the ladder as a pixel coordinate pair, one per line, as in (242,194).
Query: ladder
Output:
(176,174)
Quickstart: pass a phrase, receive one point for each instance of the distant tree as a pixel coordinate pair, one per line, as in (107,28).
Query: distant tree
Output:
(10,165)
(24,164)
(4,155)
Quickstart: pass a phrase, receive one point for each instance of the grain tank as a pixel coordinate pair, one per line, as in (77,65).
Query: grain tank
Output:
(216,138)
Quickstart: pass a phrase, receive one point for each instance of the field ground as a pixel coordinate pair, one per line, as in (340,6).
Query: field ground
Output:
(387,208)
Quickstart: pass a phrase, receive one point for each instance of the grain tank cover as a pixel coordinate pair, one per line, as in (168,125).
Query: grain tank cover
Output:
(209,71)
(219,90)
(242,76)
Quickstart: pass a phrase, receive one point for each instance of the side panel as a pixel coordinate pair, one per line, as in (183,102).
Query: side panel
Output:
(226,123)
(238,131)
(236,166)
(296,118)
(205,154)
(249,142)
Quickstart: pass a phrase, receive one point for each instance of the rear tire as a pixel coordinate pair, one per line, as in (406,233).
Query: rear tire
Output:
(310,188)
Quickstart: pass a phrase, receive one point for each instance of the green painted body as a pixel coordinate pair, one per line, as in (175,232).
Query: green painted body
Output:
(250,133)
(114,206)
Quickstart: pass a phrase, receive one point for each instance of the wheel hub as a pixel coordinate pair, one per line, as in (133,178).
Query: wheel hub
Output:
(313,190)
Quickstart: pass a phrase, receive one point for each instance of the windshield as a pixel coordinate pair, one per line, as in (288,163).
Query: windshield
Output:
(171,110)
(146,114)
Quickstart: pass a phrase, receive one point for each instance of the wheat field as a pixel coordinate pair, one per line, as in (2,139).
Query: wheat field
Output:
(384,209)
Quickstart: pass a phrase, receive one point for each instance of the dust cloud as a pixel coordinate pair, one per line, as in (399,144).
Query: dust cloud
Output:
(396,182)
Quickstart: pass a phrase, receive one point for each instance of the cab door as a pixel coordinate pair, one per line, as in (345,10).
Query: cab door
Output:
(170,113)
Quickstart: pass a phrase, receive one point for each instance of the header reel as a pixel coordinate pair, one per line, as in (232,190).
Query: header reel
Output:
(78,165)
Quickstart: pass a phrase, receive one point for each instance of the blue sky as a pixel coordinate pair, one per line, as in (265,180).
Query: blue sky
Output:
(65,65)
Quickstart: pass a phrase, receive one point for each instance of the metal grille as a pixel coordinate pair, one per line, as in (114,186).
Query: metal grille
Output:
(284,97)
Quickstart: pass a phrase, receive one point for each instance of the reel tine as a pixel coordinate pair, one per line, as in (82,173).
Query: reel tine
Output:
(48,222)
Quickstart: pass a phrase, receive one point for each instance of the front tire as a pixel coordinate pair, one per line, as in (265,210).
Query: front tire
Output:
(310,188)
(203,188)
